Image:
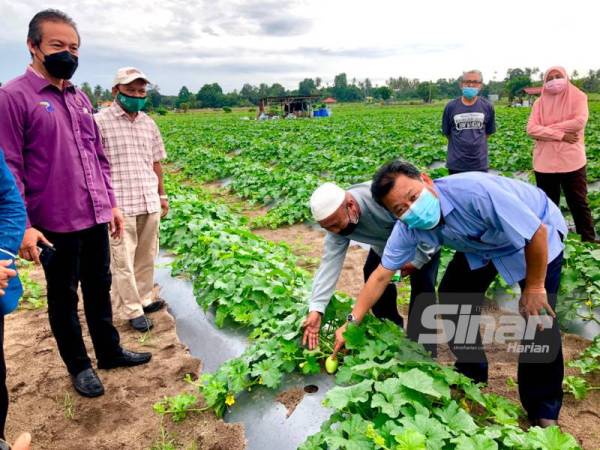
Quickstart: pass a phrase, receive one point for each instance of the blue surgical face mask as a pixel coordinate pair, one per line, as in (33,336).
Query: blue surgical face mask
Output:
(424,213)
(470,92)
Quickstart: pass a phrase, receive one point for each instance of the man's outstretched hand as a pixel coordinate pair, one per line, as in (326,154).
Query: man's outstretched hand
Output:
(312,327)
(340,341)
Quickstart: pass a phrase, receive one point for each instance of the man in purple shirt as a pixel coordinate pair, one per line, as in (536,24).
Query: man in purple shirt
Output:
(54,150)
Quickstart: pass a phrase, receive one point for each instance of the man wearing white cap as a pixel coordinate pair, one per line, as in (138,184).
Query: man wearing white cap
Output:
(134,148)
(353,215)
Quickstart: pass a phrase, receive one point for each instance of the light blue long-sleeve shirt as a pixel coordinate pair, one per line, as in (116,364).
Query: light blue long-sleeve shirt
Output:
(12,212)
(489,218)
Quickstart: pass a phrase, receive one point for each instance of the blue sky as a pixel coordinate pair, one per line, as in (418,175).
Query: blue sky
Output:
(181,42)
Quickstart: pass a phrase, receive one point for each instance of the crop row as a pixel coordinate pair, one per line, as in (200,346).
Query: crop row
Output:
(279,163)
(390,394)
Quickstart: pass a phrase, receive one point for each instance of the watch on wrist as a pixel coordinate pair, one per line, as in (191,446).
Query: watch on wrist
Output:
(163,197)
(351,318)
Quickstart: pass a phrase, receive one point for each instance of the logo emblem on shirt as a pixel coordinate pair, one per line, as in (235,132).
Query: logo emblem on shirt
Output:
(469,121)
(46,104)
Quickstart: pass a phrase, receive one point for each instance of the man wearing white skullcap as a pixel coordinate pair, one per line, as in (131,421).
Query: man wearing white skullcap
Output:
(353,215)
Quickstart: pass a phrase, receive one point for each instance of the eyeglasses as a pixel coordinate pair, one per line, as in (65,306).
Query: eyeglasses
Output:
(471,82)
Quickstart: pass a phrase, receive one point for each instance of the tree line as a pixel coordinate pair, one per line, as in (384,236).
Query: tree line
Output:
(344,90)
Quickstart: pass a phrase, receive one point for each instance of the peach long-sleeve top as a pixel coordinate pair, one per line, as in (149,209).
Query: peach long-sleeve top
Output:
(551,117)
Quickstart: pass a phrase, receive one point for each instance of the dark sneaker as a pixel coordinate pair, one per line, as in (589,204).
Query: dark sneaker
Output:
(154,306)
(141,323)
(125,359)
(87,383)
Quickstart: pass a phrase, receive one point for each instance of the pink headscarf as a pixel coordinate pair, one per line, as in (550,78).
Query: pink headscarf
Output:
(552,116)
(556,108)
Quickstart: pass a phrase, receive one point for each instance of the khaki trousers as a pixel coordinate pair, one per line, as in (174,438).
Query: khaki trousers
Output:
(132,264)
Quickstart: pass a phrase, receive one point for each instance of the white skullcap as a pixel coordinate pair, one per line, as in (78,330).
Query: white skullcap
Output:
(326,199)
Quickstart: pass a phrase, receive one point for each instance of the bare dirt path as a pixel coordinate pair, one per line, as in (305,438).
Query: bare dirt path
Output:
(44,402)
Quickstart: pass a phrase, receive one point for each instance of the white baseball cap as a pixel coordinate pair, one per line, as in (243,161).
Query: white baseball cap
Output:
(325,200)
(126,75)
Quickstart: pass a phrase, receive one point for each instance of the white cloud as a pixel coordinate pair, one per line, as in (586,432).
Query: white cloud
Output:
(235,41)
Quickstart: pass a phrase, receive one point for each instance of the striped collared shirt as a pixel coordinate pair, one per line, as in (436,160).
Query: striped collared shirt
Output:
(132,147)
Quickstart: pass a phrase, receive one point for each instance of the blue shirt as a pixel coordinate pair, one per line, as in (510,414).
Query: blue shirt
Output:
(487,217)
(467,128)
(12,213)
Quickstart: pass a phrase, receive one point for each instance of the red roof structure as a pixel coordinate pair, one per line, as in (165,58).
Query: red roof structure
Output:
(329,100)
(535,90)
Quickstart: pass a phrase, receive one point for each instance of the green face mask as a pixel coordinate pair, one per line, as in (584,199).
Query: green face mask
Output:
(131,104)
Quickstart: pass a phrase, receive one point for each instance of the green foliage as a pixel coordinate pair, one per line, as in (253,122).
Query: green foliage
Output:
(516,80)
(211,96)
(427,91)
(383,92)
(588,362)
(164,441)
(580,282)
(34,296)
(576,386)
(589,359)
(390,394)
(279,163)
(307,87)
(177,406)
(87,90)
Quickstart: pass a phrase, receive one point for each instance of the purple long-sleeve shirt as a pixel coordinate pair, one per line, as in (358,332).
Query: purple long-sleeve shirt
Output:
(53,147)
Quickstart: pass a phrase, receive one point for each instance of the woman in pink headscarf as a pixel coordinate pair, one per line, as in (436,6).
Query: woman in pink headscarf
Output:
(557,123)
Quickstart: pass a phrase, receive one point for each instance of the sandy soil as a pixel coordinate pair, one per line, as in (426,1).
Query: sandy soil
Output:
(224,195)
(307,243)
(580,418)
(290,399)
(44,402)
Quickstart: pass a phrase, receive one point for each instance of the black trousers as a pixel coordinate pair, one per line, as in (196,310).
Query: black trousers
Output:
(422,294)
(540,375)
(454,171)
(574,186)
(3,389)
(81,257)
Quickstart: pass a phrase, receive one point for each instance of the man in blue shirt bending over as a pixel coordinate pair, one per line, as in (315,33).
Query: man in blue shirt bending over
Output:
(496,225)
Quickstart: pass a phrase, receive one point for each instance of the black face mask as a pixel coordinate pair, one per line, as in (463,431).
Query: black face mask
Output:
(350,227)
(61,65)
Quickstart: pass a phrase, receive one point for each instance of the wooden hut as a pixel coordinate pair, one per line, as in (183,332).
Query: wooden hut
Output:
(287,106)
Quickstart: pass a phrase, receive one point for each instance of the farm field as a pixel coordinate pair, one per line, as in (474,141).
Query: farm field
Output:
(279,163)
(390,394)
